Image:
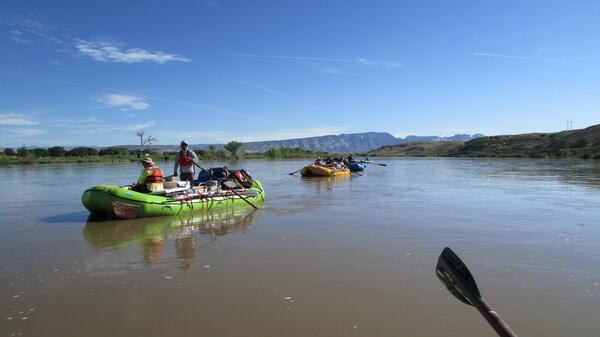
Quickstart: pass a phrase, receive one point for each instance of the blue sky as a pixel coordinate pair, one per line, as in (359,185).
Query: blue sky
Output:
(94,73)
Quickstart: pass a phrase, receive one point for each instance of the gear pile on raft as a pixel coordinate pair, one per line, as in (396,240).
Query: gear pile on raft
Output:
(156,195)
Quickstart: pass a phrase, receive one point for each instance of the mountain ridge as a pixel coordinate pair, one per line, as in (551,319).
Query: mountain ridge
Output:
(581,143)
(341,143)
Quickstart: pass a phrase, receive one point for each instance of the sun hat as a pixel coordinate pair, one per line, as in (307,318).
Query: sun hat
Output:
(147,160)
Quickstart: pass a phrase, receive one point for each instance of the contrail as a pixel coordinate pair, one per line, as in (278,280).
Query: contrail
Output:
(363,61)
(519,57)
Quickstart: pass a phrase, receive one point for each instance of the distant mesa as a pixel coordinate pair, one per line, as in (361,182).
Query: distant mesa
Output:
(584,143)
(346,143)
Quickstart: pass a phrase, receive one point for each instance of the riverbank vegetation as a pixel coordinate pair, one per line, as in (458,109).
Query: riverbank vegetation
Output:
(57,154)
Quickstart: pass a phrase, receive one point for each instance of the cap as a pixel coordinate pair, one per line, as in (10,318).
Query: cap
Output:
(183,142)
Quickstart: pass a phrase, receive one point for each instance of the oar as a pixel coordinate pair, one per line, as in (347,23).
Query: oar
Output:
(232,190)
(355,172)
(455,275)
(295,172)
(370,162)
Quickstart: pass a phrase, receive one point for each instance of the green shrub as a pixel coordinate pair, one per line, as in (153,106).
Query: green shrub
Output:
(9,152)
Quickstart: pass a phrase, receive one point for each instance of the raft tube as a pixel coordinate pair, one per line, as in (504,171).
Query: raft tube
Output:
(356,167)
(322,171)
(128,204)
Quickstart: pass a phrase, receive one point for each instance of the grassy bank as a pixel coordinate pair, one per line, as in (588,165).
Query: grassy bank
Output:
(280,153)
(6,160)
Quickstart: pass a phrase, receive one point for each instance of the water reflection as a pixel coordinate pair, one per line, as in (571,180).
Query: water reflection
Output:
(152,234)
(326,183)
(584,173)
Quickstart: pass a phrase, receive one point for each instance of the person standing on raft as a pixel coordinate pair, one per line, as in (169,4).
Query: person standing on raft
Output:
(151,178)
(185,160)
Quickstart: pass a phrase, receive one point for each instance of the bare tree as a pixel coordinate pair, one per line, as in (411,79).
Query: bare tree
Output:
(144,141)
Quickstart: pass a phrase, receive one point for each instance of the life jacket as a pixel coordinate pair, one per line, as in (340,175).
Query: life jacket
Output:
(156,177)
(184,159)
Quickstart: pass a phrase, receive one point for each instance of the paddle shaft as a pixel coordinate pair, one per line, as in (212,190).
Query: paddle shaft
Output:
(232,190)
(295,172)
(502,329)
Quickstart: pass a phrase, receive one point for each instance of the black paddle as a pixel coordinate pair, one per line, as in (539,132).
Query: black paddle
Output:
(295,172)
(232,190)
(455,275)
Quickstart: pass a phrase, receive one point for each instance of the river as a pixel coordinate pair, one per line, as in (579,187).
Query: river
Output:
(343,257)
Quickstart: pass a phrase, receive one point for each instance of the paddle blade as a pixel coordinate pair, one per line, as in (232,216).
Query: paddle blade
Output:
(457,278)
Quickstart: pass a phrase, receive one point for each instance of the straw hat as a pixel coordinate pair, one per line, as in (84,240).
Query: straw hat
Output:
(147,160)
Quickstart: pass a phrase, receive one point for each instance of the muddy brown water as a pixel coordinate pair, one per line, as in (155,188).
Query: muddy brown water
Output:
(343,257)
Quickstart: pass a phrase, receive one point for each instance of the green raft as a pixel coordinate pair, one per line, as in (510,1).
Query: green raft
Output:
(125,203)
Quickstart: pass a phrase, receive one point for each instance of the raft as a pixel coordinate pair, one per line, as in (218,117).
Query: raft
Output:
(356,167)
(322,171)
(125,203)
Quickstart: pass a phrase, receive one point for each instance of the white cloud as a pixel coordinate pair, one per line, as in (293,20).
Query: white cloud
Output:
(107,52)
(46,36)
(129,102)
(16,119)
(363,61)
(97,50)
(103,128)
(33,21)
(17,36)
(26,132)
(133,127)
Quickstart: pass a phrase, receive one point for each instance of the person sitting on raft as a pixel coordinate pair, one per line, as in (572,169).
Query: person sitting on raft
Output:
(151,178)
(318,162)
(351,159)
(329,161)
